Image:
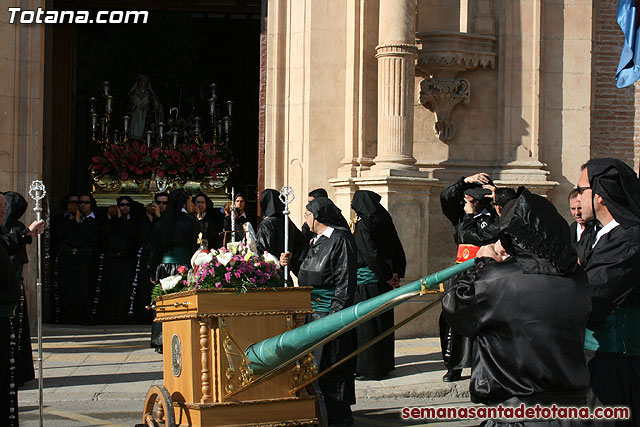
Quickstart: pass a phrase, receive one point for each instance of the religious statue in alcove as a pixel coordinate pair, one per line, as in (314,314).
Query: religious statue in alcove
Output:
(144,106)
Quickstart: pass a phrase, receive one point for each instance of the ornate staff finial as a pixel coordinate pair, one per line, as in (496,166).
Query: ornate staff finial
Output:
(37,192)
(287,196)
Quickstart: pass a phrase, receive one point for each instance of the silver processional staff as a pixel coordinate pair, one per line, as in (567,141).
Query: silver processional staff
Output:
(37,192)
(287,196)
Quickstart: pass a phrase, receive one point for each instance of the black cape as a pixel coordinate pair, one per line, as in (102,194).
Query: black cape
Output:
(270,236)
(379,249)
(527,340)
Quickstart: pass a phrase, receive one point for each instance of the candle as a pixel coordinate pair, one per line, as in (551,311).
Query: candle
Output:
(227,124)
(175,139)
(103,125)
(161,129)
(92,105)
(148,138)
(213,90)
(107,107)
(220,128)
(196,125)
(212,106)
(125,124)
(105,88)
(94,121)
(229,108)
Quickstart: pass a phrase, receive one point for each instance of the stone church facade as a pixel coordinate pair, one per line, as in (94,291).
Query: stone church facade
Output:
(400,97)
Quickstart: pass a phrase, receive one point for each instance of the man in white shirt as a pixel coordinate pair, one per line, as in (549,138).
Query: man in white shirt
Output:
(609,197)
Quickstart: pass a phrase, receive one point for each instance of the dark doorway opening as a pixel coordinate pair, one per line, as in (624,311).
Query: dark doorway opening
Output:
(183,48)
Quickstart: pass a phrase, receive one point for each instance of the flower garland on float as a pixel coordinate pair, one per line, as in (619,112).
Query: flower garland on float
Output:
(235,266)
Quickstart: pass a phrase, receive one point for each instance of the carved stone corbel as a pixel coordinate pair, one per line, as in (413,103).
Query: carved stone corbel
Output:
(441,95)
(442,56)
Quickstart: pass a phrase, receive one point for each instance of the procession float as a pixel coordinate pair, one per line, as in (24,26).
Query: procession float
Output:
(236,351)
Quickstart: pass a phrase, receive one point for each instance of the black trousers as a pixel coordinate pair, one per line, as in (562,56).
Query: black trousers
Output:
(337,386)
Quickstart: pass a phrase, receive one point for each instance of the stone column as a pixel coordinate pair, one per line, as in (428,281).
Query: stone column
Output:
(396,55)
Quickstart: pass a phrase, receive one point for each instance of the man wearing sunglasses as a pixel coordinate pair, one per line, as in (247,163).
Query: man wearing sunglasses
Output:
(118,237)
(609,197)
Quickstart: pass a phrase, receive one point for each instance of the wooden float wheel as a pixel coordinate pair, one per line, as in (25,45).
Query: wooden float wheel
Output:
(158,408)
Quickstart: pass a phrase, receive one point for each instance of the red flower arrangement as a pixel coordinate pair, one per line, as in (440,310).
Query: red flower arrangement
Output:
(195,161)
(135,161)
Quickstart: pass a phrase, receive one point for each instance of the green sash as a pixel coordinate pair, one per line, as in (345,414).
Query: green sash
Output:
(321,299)
(620,333)
(177,255)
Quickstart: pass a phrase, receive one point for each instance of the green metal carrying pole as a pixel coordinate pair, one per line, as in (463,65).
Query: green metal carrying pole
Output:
(272,352)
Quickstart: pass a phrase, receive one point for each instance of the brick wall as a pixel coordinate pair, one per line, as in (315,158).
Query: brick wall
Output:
(615,120)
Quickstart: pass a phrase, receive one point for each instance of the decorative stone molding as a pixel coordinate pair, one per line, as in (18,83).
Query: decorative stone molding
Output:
(450,52)
(441,95)
(441,57)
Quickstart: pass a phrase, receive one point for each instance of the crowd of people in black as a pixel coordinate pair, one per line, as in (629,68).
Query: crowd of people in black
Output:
(549,314)
(105,259)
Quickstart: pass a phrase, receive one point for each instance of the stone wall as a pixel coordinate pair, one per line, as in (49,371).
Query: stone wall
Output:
(615,128)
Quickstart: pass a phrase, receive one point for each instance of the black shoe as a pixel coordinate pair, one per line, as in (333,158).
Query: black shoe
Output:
(159,350)
(452,375)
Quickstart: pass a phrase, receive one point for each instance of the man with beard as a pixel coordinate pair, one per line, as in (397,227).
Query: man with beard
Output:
(330,268)
(526,312)
(609,196)
(467,205)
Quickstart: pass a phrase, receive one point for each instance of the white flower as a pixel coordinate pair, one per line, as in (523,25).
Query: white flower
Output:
(224,258)
(248,255)
(170,282)
(203,258)
(235,247)
(270,259)
(195,255)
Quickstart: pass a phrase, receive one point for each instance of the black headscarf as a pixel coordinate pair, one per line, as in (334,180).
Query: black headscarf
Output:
(65,200)
(537,236)
(127,198)
(167,222)
(270,203)
(381,234)
(619,188)
(16,207)
(325,212)
(207,202)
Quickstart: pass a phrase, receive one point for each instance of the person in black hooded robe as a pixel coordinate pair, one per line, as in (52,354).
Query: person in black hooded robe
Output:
(270,236)
(16,208)
(330,268)
(210,219)
(120,246)
(466,205)
(77,237)
(381,263)
(173,242)
(525,312)
(609,197)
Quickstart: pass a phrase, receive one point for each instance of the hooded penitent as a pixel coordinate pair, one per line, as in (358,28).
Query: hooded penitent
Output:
(526,315)
(537,236)
(270,203)
(325,212)
(375,229)
(618,186)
